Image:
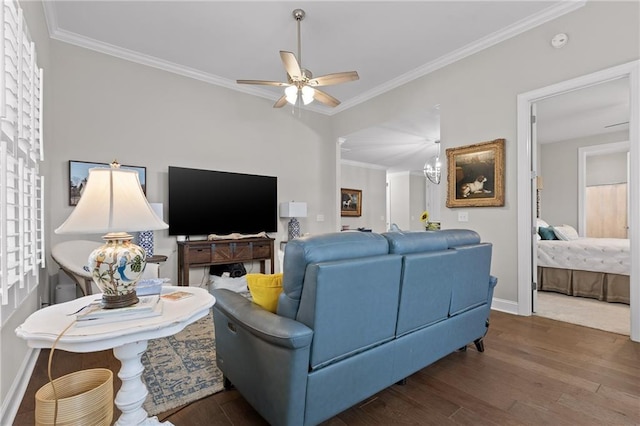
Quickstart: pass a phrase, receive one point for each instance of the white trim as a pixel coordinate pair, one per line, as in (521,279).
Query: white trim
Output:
(12,402)
(583,153)
(524,100)
(503,305)
(510,31)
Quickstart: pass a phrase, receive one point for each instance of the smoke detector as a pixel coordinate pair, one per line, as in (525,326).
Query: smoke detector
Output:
(559,40)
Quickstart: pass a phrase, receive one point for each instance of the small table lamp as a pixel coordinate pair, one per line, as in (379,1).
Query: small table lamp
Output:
(293,210)
(145,238)
(113,203)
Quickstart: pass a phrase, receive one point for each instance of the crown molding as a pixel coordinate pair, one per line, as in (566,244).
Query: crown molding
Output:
(512,30)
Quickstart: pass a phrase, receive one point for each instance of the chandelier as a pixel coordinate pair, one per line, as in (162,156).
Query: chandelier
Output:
(432,168)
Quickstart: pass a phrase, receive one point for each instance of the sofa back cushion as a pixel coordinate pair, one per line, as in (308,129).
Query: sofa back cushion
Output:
(425,292)
(305,251)
(444,273)
(470,278)
(351,305)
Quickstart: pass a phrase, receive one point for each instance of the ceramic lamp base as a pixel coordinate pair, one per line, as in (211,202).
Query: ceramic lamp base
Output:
(116,267)
(294,228)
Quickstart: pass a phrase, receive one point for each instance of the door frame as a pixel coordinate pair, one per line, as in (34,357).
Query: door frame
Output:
(525,174)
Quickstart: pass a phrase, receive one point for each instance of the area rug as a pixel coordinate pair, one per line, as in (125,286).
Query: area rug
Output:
(182,368)
(613,317)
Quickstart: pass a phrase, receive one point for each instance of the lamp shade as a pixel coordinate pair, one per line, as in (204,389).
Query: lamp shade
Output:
(112,201)
(293,209)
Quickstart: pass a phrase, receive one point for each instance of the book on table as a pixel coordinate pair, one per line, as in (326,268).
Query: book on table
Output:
(94,314)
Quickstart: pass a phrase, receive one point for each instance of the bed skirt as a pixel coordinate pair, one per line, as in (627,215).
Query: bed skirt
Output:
(596,285)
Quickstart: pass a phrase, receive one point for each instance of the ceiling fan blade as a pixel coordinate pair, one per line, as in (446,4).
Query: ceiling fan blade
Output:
(263,82)
(282,101)
(335,78)
(291,65)
(325,98)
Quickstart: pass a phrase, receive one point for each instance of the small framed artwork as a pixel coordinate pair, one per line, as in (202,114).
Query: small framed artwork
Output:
(351,202)
(475,175)
(79,173)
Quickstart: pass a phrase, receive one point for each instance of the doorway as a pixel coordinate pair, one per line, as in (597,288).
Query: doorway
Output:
(582,144)
(527,171)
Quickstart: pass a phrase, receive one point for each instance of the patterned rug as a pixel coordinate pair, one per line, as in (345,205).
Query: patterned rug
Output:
(182,368)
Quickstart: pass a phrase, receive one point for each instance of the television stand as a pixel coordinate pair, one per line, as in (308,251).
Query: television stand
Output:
(222,252)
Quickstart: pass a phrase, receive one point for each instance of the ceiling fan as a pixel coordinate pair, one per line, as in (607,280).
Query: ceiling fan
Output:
(301,85)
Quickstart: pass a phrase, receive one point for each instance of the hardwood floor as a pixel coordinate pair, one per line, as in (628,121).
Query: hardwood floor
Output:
(534,371)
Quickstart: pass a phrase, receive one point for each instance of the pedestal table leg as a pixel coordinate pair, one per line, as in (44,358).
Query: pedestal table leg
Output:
(133,391)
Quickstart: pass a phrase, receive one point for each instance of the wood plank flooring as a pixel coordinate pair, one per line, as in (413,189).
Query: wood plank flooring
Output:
(534,371)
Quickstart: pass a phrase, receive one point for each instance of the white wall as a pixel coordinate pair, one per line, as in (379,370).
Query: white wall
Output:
(606,169)
(559,171)
(477,98)
(107,108)
(372,182)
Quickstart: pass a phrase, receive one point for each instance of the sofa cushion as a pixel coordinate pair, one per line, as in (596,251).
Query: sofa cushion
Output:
(470,280)
(404,242)
(426,290)
(460,237)
(351,305)
(304,251)
(265,290)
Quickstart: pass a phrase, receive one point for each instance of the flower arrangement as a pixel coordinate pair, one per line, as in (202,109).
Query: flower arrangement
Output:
(429,226)
(425,217)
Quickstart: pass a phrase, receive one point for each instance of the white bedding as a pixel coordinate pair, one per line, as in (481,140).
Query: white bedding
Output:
(609,255)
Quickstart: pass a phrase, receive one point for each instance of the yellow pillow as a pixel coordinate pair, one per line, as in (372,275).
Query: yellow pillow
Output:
(265,290)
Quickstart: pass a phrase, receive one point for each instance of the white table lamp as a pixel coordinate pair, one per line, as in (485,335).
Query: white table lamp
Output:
(293,210)
(113,203)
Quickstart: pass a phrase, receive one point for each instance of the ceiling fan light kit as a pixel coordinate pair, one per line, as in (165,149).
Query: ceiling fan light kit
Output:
(301,86)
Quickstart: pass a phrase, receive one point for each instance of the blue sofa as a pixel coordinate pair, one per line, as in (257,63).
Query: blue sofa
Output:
(359,312)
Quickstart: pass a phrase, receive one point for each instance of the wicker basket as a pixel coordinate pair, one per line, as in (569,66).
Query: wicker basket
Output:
(84,398)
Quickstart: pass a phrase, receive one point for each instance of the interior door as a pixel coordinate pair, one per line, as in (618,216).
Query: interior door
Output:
(534,209)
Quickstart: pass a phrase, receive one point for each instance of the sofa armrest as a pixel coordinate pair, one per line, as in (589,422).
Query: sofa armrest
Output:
(263,324)
(492,281)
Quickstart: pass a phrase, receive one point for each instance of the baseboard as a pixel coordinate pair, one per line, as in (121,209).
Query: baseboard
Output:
(14,397)
(502,305)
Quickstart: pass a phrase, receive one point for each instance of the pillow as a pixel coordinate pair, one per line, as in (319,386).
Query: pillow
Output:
(566,233)
(547,233)
(265,290)
(540,222)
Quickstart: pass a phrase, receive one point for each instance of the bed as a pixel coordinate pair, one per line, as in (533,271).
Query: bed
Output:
(597,268)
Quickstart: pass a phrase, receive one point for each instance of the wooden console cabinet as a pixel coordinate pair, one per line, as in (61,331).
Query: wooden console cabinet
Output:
(192,254)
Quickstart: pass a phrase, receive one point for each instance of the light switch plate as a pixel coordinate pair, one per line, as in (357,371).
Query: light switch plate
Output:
(463,216)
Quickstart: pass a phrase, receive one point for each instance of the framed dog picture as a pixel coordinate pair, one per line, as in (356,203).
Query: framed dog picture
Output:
(476,175)
(351,202)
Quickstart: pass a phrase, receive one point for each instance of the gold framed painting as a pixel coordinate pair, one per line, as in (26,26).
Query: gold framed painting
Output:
(350,202)
(475,175)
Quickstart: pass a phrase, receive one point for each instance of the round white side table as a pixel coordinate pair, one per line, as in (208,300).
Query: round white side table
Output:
(128,339)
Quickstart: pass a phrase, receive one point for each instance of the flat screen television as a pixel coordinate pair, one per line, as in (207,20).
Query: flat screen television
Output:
(203,202)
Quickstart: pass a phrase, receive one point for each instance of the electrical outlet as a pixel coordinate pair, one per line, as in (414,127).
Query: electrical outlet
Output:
(320,218)
(463,216)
